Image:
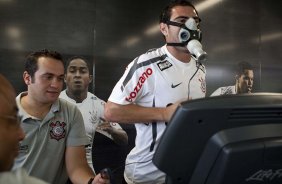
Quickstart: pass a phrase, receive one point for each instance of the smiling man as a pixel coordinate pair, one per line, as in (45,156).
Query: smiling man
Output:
(53,148)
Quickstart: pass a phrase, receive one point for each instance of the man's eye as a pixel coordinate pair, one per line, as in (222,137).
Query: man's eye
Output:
(48,77)
(181,21)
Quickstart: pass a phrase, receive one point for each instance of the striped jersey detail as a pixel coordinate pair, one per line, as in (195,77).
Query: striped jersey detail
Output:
(136,66)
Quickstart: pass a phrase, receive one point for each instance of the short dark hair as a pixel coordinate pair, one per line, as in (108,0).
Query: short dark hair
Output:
(166,13)
(242,66)
(76,57)
(31,63)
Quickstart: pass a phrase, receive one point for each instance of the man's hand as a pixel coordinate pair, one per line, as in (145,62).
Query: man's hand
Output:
(169,111)
(105,126)
(99,180)
(171,108)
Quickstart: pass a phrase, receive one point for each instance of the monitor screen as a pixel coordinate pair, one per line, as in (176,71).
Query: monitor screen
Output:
(230,139)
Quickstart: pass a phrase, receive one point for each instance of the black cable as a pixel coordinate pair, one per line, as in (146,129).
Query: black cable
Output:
(198,67)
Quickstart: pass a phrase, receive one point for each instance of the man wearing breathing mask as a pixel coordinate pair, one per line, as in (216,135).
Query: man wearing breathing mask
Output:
(189,36)
(153,86)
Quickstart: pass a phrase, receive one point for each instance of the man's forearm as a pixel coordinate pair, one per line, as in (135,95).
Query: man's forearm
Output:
(133,113)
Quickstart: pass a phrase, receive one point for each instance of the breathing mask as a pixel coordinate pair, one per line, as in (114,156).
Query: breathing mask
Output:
(190,36)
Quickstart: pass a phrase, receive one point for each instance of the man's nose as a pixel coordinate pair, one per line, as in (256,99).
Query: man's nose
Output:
(250,82)
(21,134)
(56,82)
(77,73)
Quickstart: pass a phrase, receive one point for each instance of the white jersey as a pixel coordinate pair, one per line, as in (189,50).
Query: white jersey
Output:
(155,79)
(92,110)
(226,90)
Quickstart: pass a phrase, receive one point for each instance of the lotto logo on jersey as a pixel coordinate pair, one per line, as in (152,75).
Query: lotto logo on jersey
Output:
(145,75)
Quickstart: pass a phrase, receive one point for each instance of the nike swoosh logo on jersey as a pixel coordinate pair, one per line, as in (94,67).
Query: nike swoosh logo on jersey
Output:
(174,86)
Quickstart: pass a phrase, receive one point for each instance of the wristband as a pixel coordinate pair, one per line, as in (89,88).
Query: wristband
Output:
(90,181)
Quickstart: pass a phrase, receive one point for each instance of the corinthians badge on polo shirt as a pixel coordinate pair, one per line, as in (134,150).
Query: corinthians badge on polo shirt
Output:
(57,130)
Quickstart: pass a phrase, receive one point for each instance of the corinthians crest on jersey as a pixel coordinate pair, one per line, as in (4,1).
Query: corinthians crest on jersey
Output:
(57,130)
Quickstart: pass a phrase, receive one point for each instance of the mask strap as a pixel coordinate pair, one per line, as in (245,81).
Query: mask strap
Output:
(183,44)
(177,44)
(178,25)
(175,24)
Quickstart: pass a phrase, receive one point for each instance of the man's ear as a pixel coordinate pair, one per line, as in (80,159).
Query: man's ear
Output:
(65,78)
(27,78)
(90,78)
(164,29)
